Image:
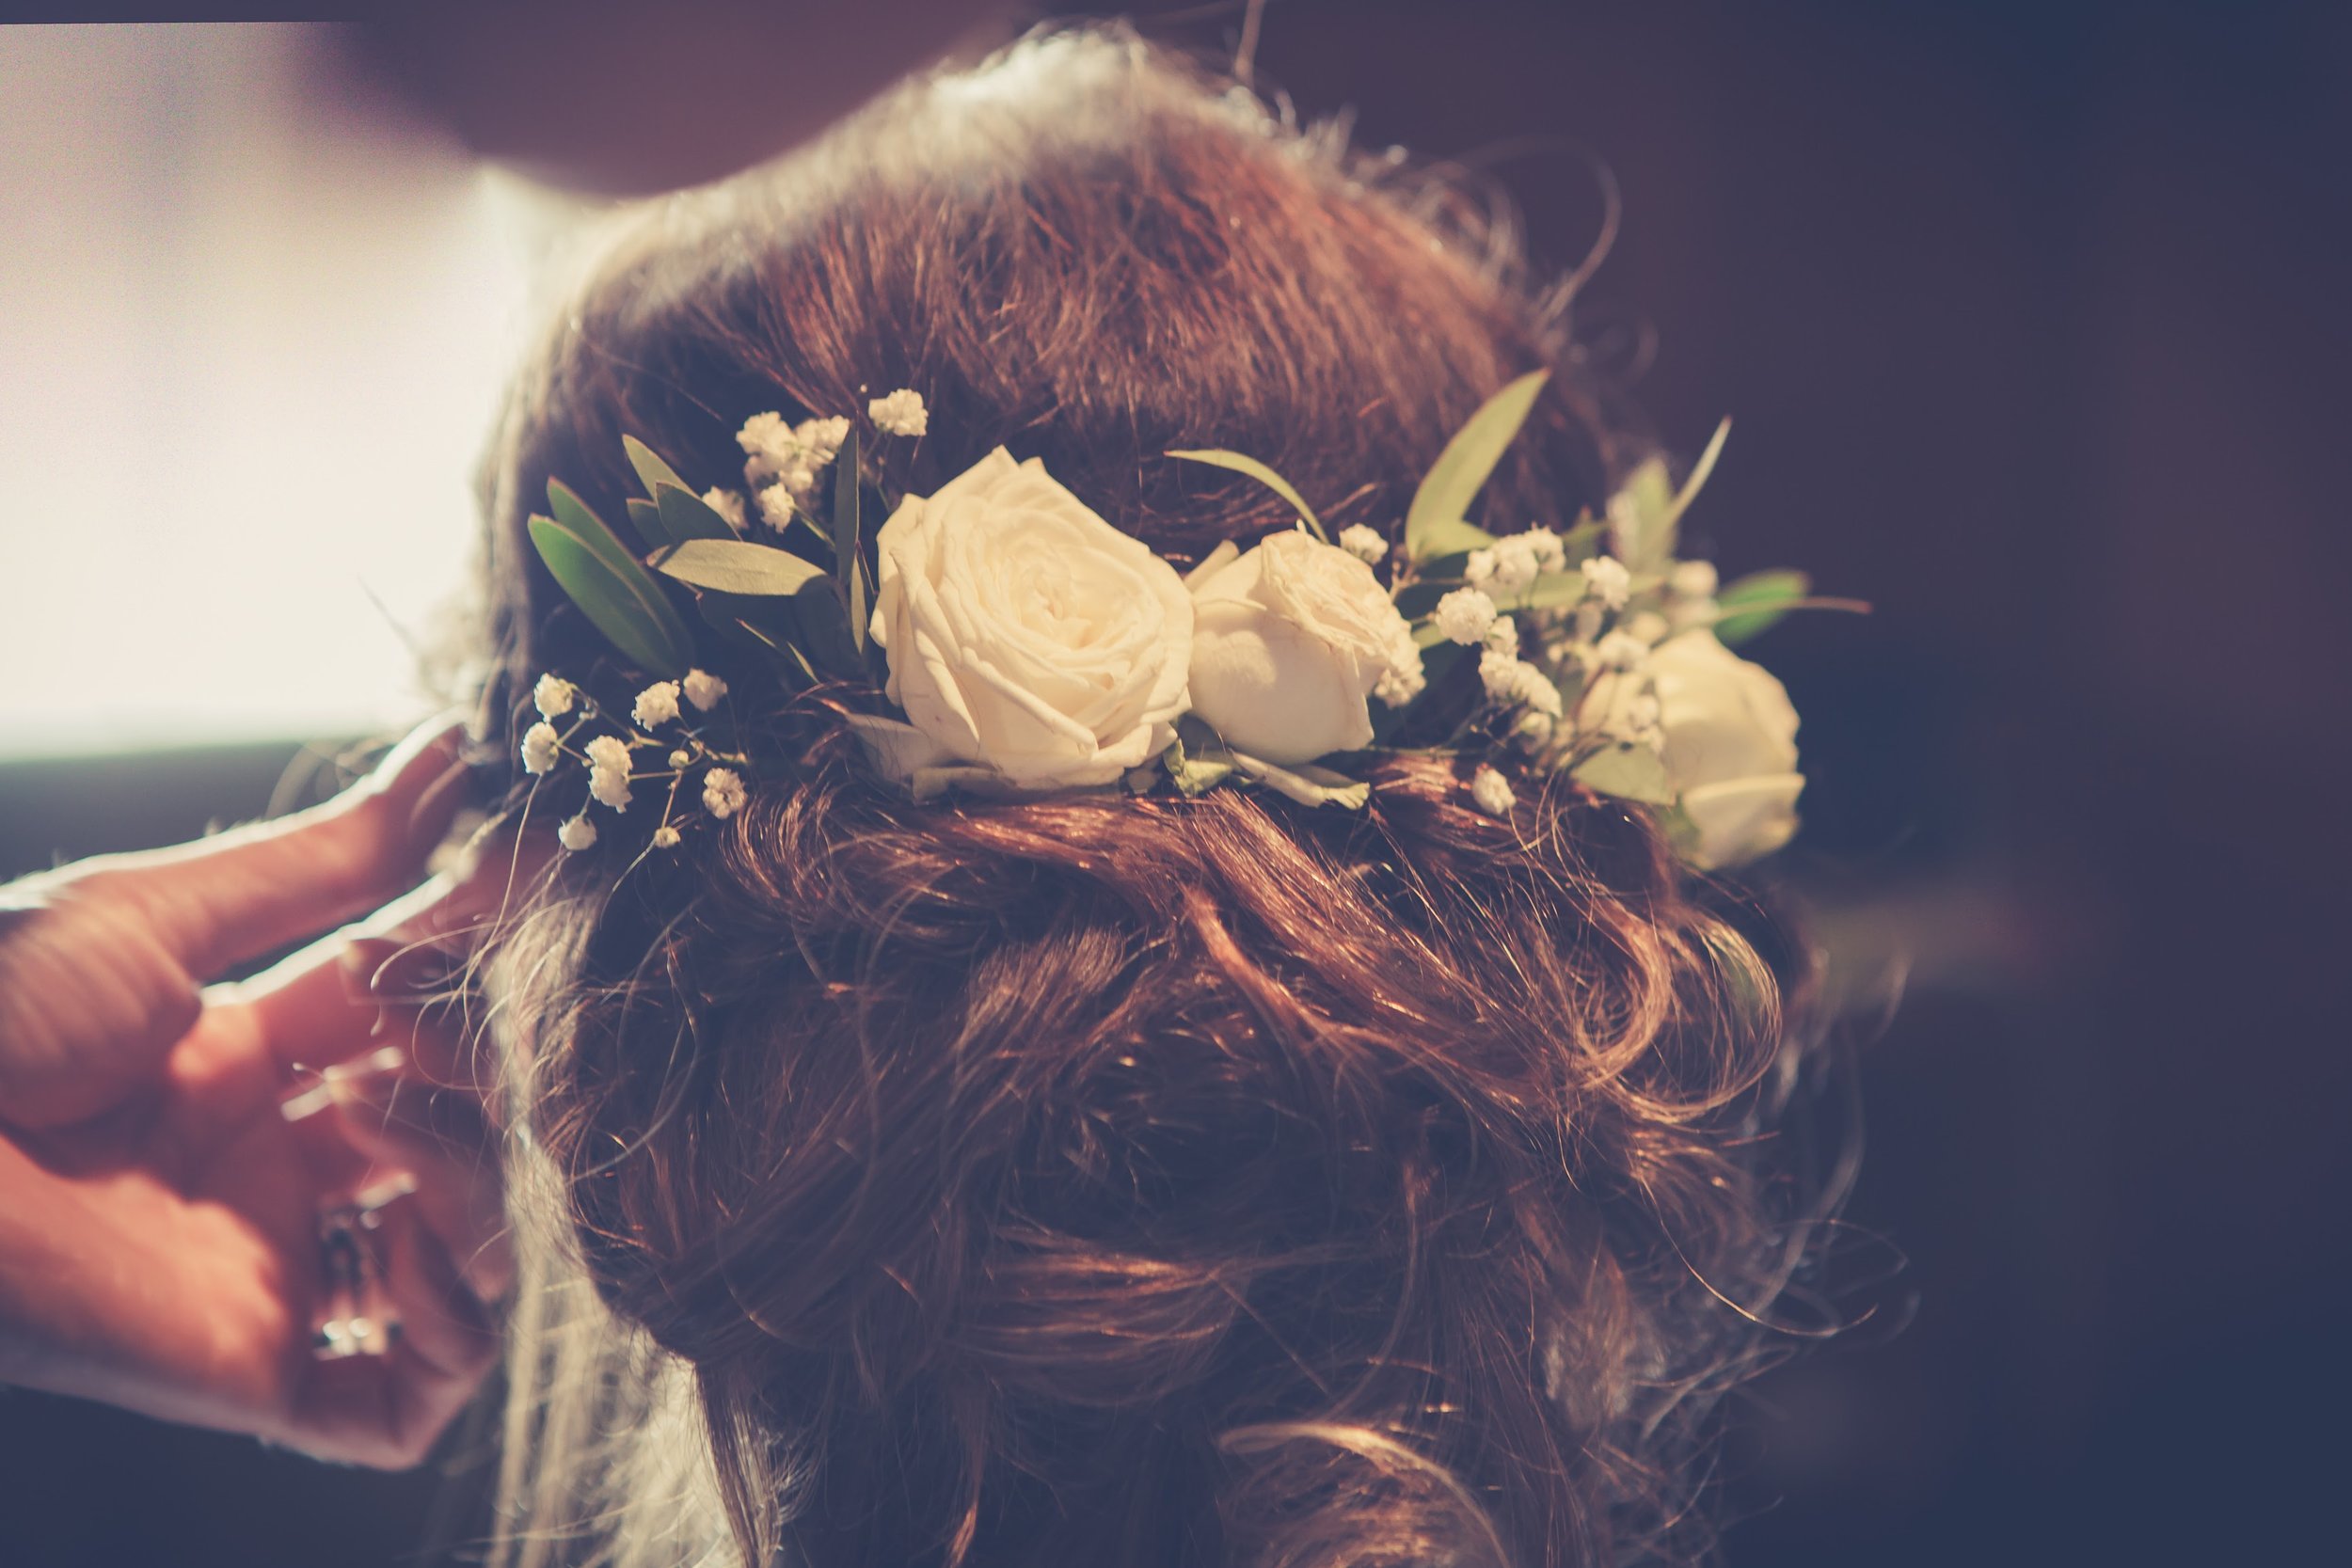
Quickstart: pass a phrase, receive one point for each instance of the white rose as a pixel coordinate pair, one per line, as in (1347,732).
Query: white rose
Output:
(1026,634)
(1730,741)
(1731,747)
(1289,638)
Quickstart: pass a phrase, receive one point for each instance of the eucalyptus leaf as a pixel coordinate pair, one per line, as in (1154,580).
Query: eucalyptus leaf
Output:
(1628,772)
(632,613)
(738,566)
(1198,768)
(849,566)
(822,630)
(1755,602)
(1218,458)
(1463,468)
(580,519)
(1550,591)
(652,472)
(1450,536)
(686,516)
(645,520)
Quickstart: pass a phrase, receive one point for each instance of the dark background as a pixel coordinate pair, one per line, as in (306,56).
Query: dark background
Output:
(2034,320)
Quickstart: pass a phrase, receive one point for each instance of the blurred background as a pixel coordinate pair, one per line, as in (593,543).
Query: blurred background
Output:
(2034,321)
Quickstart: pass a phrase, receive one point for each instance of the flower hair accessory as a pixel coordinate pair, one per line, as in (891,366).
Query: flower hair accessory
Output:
(1013,641)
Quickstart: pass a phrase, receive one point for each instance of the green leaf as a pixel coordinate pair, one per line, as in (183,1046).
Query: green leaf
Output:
(645,520)
(686,516)
(1628,772)
(1452,536)
(1195,760)
(822,633)
(630,611)
(652,472)
(738,566)
(1755,602)
(1550,591)
(1217,457)
(848,567)
(575,518)
(1453,481)
(1693,481)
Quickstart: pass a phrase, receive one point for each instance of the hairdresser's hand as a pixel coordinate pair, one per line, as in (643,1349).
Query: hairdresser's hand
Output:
(159,1207)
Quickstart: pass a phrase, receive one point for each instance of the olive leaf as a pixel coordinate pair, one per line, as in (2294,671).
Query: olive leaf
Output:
(1218,458)
(1628,772)
(1755,602)
(616,594)
(1455,480)
(1451,536)
(686,516)
(737,566)
(652,472)
(645,520)
(849,566)
(1196,760)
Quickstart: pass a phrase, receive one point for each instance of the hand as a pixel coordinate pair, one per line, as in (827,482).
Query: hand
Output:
(159,1209)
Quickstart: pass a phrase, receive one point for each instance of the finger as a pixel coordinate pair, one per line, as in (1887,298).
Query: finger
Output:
(387,1411)
(446,1145)
(246,891)
(324,1004)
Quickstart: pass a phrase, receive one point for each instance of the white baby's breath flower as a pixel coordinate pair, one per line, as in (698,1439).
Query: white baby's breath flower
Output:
(1491,792)
(775,502)
(1464,615)
(1516,566)
(578,833)
(1515,682)
(1499,672)
(553,697)
(540,743)
(821,438)
(1363,543)
(1538,693)
(665,838)
(1533,730)
(901,413)
(680,757)
(608,772)
(1607,581)
(704,690)
(727,504)
(1503,635)
(1691,579)
(656,705)
(1401,683)
(1551,551)
(787,455)
(764,437)
(1479,569)
(722,792)
(1621,649)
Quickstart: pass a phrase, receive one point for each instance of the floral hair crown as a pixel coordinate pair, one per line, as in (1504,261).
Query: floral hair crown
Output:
(1022,644)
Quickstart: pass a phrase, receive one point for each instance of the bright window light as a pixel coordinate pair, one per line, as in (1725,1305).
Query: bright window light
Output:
(252,335)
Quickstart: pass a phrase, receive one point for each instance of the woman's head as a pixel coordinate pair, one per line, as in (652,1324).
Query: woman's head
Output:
(1094,1179)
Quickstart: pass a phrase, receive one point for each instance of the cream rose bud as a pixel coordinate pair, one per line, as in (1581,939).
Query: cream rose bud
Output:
(1290,638)
(1026,634)
(1730,747)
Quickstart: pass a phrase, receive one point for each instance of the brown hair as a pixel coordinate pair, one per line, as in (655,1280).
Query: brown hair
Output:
(1088,1179)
